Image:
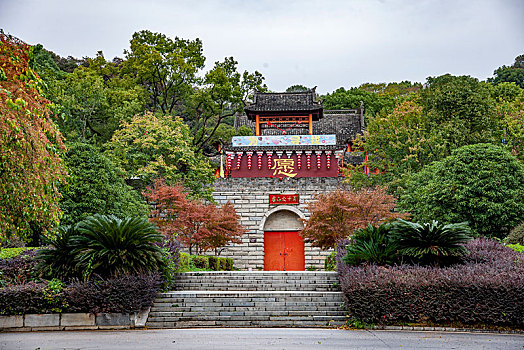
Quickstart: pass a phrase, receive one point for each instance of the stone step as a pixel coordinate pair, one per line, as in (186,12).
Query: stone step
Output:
(250,299)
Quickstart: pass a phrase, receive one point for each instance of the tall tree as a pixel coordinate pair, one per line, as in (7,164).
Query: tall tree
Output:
(30,148)
(511,74)
(96,187)
(167,68)
(150,147)
(222,95)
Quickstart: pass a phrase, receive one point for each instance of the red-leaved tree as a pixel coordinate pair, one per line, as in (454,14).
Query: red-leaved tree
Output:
(337,214)
(195,224)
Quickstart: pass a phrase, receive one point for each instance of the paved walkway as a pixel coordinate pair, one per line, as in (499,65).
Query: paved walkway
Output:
(257,338)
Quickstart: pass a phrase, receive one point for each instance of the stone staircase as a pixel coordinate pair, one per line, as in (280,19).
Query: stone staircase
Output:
(250,299)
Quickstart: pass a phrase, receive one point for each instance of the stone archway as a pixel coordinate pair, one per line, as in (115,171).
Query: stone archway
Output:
(283,245)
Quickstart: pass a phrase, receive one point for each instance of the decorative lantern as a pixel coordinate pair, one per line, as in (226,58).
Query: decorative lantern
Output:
(269,160)
(259,156)
(299,159)
(228,166)
(239,159)
(328,161)
(318,154)
(249,154)
(308,160)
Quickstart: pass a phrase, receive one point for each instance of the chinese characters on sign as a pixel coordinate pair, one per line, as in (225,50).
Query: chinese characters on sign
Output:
(283,199)
(284,167)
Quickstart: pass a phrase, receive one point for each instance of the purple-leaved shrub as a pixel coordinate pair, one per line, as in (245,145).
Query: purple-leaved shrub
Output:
(486,288)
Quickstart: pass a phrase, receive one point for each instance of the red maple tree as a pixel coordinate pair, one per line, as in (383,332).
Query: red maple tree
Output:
(337,214)
(196,224)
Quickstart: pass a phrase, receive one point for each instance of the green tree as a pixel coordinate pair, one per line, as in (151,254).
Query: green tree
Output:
(167,68)
(352,98)
(482,184)
(512,74)
(30,148)
(222,94)
(150,147)
(96,186)
(460,110)
(297,88)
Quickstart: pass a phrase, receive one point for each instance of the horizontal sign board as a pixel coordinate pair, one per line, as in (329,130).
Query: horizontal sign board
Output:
(284,140)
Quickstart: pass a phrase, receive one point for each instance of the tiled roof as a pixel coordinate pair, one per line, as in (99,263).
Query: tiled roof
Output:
(284,101)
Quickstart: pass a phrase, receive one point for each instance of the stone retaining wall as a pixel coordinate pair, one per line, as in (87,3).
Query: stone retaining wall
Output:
(72,321)
(250,197)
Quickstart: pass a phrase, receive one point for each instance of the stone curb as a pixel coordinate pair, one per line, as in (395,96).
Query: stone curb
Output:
(444,329)
(72,321)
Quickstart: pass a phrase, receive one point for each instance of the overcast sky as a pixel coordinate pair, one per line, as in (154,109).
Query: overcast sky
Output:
(325,43)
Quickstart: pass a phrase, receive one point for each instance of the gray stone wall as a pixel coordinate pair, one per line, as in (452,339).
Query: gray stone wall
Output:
(250,197)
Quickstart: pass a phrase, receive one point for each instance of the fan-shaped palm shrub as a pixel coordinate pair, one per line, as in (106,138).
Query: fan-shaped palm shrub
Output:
(109,246)
(58,261)
(371,244)
(430,242)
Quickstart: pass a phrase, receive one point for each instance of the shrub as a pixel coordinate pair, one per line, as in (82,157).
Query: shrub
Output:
(223,264)
(373,245)
(517,247)
(214,263)
(185,260)
(109,246)
(516,235)
(58,261)
(229,264)
(200,261)
(171,263)
(430,242)
(32,298)
(488,288)
(9,253)
(18,270)
(482,184)
(330,263)
(126,294)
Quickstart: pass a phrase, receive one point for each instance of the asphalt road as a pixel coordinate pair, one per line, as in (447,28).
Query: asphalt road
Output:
(257,338)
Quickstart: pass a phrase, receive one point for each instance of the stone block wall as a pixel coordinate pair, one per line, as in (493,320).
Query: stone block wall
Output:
(250,197)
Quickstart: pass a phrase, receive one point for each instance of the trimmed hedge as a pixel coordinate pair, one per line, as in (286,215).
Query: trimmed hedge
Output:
(205,262)
(487,288)
(123,294)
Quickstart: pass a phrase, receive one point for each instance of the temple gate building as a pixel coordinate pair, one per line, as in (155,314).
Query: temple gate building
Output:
(297,152)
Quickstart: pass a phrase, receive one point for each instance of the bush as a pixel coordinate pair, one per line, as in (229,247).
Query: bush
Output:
(223,264)
(516,235)
(32,298)
(123,294)
(229,264)
(9,253)
(109,246)
(200,261)
(58,260)
(488,288)
(373,245)
(429,242)
(214,263)
(18,270)
(517,247)
(171,264)
(330,263)
(482,184)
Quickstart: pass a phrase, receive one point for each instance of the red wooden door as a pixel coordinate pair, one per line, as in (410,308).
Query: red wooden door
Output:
(283,251)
